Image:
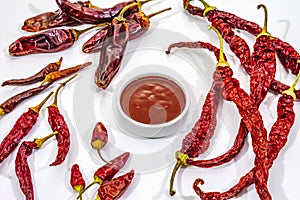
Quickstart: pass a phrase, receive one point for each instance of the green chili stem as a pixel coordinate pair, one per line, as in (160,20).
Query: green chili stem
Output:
(264,30)
(222,62)
(207,7)
(158,12)
(38,107)
(58,89)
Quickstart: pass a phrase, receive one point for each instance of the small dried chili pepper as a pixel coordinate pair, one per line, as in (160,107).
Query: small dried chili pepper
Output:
(21,165)
(277,139)
(113,48)
(99,139)
(138,24)
(20,129)
(37,77)
(54,76)
(58,123)
(107,172)
(48,41)
(11,103)
(94,15)
(76,180)
(114,189)
(54,19)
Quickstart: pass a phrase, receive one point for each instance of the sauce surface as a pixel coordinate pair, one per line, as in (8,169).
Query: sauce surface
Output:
(152,100)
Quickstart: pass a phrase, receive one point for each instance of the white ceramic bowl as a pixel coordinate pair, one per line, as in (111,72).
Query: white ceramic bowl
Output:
(133,127)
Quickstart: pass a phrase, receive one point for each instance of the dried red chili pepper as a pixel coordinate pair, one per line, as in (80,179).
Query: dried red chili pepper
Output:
(37,77)
(48,41)
(76,180)
(20,129)
(99,139)
(93,15)
(58,123)
(113,48)
(138,24)
(54,19)
(21,165)
(115,188)
(107,172)
(277,139)
(54,76)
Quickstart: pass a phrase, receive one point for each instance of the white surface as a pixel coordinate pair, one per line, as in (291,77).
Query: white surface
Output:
(152,180)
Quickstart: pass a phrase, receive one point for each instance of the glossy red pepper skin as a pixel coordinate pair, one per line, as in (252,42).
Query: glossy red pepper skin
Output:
(115,188)
(20,129)
(58,124)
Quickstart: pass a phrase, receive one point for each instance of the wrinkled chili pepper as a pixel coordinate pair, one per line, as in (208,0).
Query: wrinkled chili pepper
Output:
(54,76)
(114,189)
(37,77)
(77,182)
(22,168)
(21,128)
(94,15)
(107,171)
(54,19)
(58,123)
(138,24)
(277,139)
(113,49)
(99,139)
(264,61)
(48,41)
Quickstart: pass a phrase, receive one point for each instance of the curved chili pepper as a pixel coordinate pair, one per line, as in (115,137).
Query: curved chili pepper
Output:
(20,129)
(93,15)
(113,48)
(37,77)
(138,24)
(48,41)
(58,123)
(115,188)
(99,139)
(54,19)
(54,76)
(107,172)
(76,180)
(277,139)
(21,165)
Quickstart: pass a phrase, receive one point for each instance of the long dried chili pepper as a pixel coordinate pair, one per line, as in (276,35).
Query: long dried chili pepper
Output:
(20,129)
(114,189)
(21,164)
(277,139)
(138,24)
(264,61)
(99,139)
(54,76)
(113,49)
(36,77)
(94,15)
(107,172)
(48,41)
(77,182)
(54,19)
(58,123)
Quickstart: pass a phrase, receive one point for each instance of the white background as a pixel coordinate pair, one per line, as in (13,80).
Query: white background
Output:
(53,182)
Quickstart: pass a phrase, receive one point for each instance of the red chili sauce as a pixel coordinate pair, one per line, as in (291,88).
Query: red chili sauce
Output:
(152,100)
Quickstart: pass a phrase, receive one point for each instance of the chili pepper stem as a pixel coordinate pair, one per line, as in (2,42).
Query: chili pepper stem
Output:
(207,7)
(120,17)
(102,158)
(187,3)
(264,30)
(158,12)
(38,107)
(40,141)
(181,160)
(290,91)
(76,33)
(96,180)
(222,62)
(59,62)
(58,89)
(2,112)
